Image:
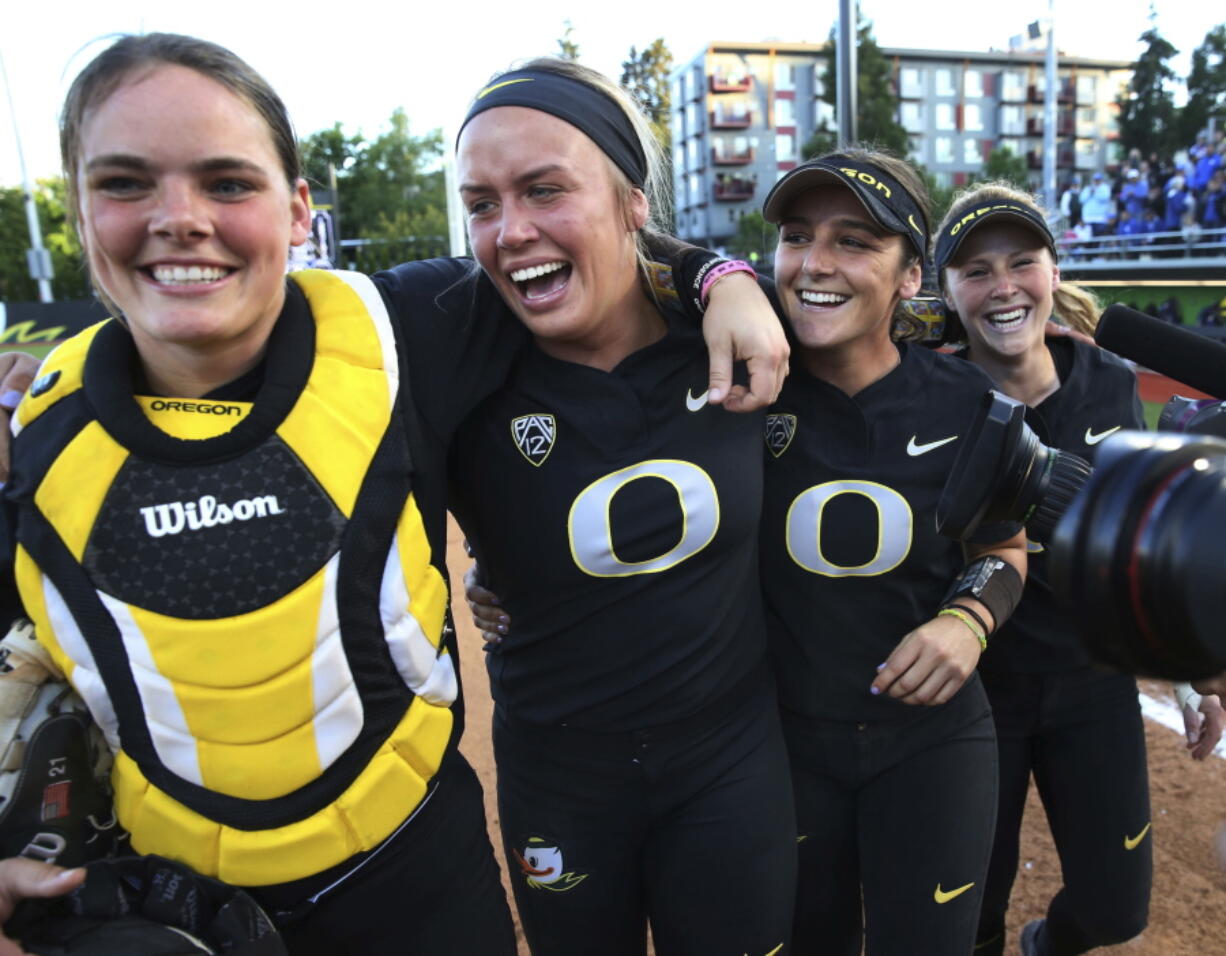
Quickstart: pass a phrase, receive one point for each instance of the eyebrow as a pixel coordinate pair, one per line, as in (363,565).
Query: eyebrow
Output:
(536,172)
(139,164)
(843,222)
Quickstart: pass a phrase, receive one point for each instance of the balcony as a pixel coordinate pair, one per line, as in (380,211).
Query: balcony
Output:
(722,120)
(720,157)
(734,189)
(731,82)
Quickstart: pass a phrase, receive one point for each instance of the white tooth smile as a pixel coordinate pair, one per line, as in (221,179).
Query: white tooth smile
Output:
(1007,320)
(822,298)
(185,275)
(535,272)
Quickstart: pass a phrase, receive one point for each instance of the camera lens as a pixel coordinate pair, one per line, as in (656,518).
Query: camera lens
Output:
(1003,472)
(1138,555)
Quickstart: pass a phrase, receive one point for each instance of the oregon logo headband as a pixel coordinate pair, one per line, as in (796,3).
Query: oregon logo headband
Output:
(586,108)
(889,202)
(962,225)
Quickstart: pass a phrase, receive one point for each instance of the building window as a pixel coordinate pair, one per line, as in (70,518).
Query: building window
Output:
(917,149)
(819,78)
(943,149)
(823,115)
(692,160)
(945,116)
(911,116)
(696,195)
(785,112)
(945,83)
(785,76)
(1012,121)
(972,152)
(972,84)
(693,122)
(911,83)
(679,89)
(785,148)
(1087,88)
(1087,122)
(972,117)
(1012,86)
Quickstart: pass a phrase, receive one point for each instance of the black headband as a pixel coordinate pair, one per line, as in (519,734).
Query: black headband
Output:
(885,198)
(958,228)
(585,107)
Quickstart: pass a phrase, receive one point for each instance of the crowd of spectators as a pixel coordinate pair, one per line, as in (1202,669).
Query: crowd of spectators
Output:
(1180,199)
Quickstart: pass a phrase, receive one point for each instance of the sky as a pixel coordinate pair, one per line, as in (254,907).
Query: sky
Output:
(431,57)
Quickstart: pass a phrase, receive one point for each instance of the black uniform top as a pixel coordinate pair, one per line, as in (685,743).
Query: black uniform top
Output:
(851,559)
(1096,397)
(616,516)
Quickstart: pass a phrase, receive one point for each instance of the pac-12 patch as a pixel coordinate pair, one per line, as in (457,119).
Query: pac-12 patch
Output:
(779,432)
(542,867)
(534,435)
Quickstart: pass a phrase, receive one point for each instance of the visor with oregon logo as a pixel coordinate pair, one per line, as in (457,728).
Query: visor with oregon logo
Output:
(957,229)
(885,198)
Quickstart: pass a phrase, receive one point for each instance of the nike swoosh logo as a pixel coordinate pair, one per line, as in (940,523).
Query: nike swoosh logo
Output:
(913,449)
(942,897)
(696,404)
(777,949)
(1092,439)
(1134,842)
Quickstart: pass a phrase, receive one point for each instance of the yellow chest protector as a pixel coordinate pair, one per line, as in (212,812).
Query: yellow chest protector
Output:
(242,592)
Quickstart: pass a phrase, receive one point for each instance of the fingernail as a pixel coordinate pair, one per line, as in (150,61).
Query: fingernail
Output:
(715,396)
(10,399)
(502,628)
(880,668)
(503,619)
(874,690)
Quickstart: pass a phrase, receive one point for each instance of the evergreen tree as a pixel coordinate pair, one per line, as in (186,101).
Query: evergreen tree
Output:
(1206,87)
(568,49)
(1004,164)
(71,279)
(1147,119)
(876,101)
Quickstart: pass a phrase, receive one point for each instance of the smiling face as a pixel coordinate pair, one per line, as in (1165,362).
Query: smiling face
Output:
(186,216)
(1001,284)
(552,229)
(840,274)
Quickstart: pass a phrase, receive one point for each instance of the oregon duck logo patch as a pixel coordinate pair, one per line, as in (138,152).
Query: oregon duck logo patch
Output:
(779,432)
(541,864)
(533,436)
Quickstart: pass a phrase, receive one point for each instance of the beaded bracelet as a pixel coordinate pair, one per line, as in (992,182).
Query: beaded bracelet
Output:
(978,618)
(718,272)
(965,618)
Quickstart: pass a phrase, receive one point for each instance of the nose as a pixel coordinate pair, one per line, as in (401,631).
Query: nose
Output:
(516,227)
(1003,286)
(817,259)
(181,213)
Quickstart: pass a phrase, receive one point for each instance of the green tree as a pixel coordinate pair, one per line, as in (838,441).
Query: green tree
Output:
(876,100)
(1206,86)
(71,280)
(754,239)
(1147,109)
(390,187)
(1004,164)
(568,49)
(645,77)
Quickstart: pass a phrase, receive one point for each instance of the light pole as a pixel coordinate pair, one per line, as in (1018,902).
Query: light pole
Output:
(845,92)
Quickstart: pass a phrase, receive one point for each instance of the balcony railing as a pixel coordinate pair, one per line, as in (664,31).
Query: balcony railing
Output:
(731,120)
(734,190)
(721,157)
(731,82)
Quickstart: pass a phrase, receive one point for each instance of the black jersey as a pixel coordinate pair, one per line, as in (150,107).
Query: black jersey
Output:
(616,516)
(851,559)
(1096,398)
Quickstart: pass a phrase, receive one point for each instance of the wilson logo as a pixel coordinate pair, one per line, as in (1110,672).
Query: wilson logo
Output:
(176,516)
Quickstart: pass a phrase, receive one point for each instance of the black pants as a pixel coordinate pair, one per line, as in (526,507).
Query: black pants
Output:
(433,888)
(895,821)
(1080,733)
(689,827)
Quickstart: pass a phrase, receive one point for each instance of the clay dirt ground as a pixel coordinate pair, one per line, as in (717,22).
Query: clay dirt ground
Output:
(1188,913)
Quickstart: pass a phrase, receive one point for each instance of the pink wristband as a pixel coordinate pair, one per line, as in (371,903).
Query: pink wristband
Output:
(721,270)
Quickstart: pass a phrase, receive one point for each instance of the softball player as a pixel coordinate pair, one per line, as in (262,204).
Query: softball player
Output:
(1077,728)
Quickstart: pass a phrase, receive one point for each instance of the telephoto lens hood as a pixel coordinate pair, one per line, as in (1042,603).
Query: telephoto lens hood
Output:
(1004,473)
(1137,557)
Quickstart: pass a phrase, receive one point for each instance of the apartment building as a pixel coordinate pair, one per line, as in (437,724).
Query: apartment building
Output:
(742,112)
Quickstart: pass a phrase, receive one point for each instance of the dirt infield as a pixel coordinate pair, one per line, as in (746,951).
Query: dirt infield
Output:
(1188,914)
